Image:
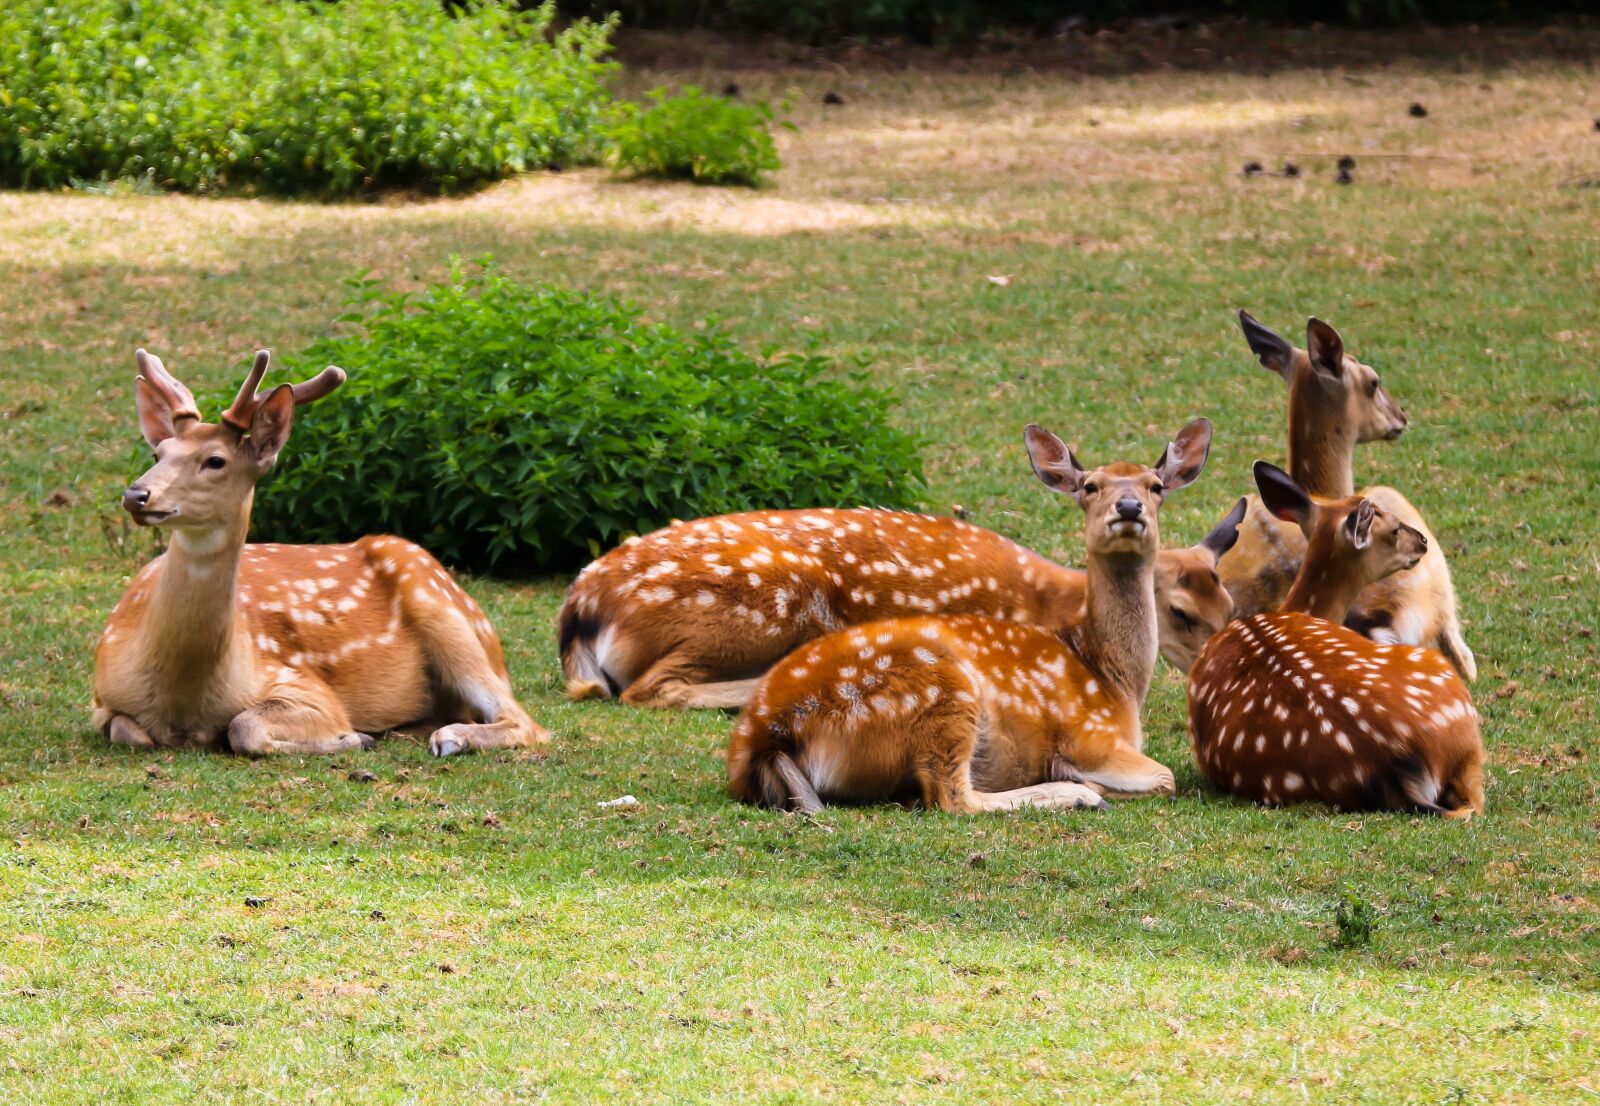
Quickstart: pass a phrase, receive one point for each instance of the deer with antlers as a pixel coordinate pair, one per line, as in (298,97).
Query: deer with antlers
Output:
(970,714)
(1294,706)
(282,648)
(1336,403)
(693,614)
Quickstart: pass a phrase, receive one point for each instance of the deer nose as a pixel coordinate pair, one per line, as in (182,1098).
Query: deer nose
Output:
(1129,508)
(135,498)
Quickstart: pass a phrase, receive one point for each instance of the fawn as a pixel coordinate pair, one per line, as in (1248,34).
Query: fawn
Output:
(282,648)
(969,714)
(1293,706)
(693,614)
(1335,404)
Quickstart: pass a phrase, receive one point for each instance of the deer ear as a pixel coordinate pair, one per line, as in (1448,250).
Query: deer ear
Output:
(156,419)
(1272,348)
(269,428)
(1052,461)
(1226,532)
(1325,347)
(1358,524)
(1283,498)
(1185,456)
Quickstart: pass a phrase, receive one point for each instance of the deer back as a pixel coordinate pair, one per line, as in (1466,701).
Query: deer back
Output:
(862,708)
(1285,707)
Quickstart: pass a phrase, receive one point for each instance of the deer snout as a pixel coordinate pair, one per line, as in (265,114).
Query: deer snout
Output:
(1413,543)
(1398,421)
(1129,509)
(136,499)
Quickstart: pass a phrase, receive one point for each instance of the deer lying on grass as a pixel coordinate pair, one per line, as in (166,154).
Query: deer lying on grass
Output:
(693,614)
(1292,706)
(282,648)
(970,714)
(1335,404)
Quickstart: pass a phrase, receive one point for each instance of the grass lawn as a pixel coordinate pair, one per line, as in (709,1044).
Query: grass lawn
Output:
(190,927)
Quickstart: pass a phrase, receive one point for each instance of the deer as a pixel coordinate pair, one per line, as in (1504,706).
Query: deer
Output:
(693,614)
(296,649)
(1336,403)
(968,714)
(1292,706)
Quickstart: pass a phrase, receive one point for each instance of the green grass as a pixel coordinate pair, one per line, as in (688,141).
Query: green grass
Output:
(694,950)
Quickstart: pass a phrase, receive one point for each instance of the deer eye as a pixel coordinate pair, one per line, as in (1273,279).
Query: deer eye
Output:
(214,462)
(1181,617)
(1158,490)
(1372,386)
(1091,489)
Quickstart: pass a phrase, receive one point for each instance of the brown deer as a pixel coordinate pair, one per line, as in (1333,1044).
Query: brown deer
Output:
(693,614)
(282,648)
(1294,706)
(1335,404)
(969,714)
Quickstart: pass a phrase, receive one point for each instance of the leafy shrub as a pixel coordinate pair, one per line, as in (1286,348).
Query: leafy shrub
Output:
(293,97)
(519,427)
(1354,919)
(707,139)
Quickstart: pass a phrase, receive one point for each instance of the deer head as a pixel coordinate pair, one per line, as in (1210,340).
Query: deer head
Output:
(1120,500)
(1197,605)
(1326,379)
(1350,543)
(205,473)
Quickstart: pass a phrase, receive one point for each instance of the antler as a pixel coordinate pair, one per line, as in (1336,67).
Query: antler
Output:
(243,408)
(155,374)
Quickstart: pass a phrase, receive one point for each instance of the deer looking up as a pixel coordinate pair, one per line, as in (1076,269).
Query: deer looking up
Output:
(693,614)
(282,648)
(969,714)
(1335,404)
(1293,706)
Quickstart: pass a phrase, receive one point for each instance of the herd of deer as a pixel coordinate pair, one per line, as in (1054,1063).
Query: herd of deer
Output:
(877,655)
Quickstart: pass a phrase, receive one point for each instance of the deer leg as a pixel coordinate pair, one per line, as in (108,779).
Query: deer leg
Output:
(308,725)
(675,683)
(1126,774)
(476,679)
(511,728)
(727,695)
(1043,796)
(959,797)
(946,775)
(123,730)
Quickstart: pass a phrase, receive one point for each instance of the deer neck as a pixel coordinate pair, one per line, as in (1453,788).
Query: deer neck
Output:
(1119,638)
(1322,450)
(1323,588)
(193,620)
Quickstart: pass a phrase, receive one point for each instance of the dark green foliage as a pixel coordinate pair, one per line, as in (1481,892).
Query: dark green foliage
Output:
(288,98)
(520,428)
(693,136)
(1354,919)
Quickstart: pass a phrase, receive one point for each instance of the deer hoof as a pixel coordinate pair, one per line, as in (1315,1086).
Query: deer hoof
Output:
(442,745)
(366,740)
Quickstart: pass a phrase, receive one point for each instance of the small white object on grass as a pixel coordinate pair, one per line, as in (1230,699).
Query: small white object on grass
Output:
(616,804)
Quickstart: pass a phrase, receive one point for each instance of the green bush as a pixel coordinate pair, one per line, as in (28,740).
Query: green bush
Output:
(291,97)
(692,136)
(521,428)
